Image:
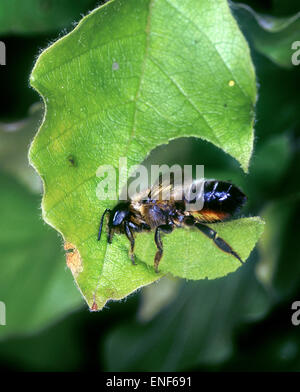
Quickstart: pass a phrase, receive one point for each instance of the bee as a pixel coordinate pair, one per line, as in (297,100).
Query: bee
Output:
(150,211)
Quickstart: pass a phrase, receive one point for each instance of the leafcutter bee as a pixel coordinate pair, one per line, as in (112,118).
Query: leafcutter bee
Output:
(151,211)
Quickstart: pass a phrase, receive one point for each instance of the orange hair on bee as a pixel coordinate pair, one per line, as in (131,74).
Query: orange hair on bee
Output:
(209,215)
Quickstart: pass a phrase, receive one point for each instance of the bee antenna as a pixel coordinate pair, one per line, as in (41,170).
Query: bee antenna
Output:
(101,222)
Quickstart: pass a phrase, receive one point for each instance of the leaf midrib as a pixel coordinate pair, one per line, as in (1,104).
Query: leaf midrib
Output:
(146,54)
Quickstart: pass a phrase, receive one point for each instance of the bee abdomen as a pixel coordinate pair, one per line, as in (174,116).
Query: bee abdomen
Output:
(223,196)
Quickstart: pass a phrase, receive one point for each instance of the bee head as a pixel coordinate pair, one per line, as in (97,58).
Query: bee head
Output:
(120,212)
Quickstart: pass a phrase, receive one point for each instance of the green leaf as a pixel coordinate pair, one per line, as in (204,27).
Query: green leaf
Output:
(34,284)
(39,16)
(197,257)
(272,36)
(123,82)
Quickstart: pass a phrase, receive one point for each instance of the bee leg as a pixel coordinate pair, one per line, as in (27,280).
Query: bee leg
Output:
(219,242)
(165,229)
(130,236)
(110,235)
(101,222)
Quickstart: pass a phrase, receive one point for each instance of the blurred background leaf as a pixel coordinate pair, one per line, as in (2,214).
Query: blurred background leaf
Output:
(15,138)
(34,273)
(23,45)
(156,296)
(60,346)
(272,36)
(39,16)
(34,283)
(195,330)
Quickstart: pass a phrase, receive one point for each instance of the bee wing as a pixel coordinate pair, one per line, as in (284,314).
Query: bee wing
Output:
(158,192)
(189,191)
(161,191)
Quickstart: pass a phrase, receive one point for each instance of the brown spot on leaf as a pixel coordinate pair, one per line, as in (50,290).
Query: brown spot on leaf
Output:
(94,307)
(72,161)
(73,259)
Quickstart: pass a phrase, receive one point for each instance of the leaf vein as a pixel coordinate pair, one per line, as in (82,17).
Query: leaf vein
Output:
(183,93)
(147,31)
(93,49)
(211,43)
